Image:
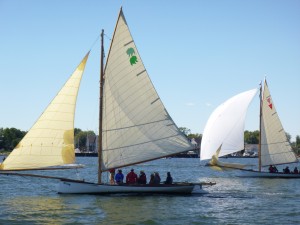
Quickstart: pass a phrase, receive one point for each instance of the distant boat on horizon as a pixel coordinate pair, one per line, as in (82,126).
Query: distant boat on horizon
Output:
(224,134)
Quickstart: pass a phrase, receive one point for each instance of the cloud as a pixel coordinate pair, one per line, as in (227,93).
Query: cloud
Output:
(208,104)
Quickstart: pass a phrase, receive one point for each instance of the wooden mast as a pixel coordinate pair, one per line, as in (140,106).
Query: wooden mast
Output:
(100,110)
(260,115)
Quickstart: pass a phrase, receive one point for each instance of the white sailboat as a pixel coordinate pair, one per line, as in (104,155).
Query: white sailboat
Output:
(224,134)
(224,131)
(134,126)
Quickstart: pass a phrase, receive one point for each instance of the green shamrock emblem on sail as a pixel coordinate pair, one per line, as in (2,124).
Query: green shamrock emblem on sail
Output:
(131,53)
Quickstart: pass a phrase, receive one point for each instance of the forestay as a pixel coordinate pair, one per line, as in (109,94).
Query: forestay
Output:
(136,126)
(50,142)
(226,125)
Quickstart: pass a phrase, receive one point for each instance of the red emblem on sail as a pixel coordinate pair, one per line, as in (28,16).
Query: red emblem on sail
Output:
(270,103)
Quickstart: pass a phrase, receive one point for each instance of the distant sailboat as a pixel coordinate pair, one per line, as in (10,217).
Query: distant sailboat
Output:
(274,148)
(225,129)
(134,126)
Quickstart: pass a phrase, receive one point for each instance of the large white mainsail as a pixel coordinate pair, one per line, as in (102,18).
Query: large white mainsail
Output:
(275,148)
(136,126)
(225,126)
(50,142)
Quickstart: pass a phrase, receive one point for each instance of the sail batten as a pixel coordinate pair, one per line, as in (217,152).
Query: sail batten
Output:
(136,126)
(50,141)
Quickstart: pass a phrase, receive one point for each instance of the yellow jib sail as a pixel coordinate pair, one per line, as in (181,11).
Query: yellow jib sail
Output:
(50,142)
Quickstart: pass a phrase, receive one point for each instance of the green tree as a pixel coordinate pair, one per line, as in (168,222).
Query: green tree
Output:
(185,131)
(80,138)
(288,137)
(251,137)
(298,141)
(10,137)
(195,136)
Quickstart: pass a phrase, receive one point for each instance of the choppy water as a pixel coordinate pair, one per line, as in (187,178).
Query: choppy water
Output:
(232,201)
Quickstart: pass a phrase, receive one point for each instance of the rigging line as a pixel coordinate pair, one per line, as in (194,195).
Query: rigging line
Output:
(96,41)
(142,124)
(109,38)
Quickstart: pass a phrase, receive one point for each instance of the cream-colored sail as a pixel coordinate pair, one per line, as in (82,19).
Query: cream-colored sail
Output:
(275,148)
(50,142)
(136,126)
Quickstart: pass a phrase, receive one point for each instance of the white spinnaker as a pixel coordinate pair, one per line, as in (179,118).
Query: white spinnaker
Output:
(275,149)
(136,126)
(226,125)
(50,141)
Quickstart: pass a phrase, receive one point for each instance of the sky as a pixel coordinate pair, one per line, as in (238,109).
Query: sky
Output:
(198,53)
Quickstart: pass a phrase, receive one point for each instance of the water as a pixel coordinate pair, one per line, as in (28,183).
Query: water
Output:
(231,201)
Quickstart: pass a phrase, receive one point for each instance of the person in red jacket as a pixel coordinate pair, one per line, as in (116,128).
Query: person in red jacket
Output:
(131,177)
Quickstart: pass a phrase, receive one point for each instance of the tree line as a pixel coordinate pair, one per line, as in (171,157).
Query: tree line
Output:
(10,137)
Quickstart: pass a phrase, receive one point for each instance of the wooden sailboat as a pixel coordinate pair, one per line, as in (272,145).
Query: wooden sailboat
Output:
(274,148)
(134,126)
(229,119)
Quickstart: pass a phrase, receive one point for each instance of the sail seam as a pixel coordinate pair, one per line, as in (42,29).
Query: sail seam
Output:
(136,125)
(274,143)
(279,153)
(110,149)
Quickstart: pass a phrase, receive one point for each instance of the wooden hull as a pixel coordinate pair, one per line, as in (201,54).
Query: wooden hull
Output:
(77,187)
(257,174)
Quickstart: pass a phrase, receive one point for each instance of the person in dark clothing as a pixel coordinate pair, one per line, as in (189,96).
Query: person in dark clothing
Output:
(151,178)
(156,178)
(296,170)
(271,169)
(142,178)
(119,177)
(169,179)
(131,177)
(286,170)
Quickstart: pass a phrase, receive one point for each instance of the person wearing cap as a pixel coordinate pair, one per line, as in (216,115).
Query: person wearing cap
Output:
(142,178)
(119,177)
(131,177)
(169,179)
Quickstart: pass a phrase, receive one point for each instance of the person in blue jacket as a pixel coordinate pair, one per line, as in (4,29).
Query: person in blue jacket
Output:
(119,177)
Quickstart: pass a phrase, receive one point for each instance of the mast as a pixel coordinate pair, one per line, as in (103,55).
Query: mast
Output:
(260,115)
(100,110)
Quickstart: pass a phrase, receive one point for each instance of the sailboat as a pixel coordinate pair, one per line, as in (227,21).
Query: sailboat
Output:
(224,134)
(224,131)
(134,126)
